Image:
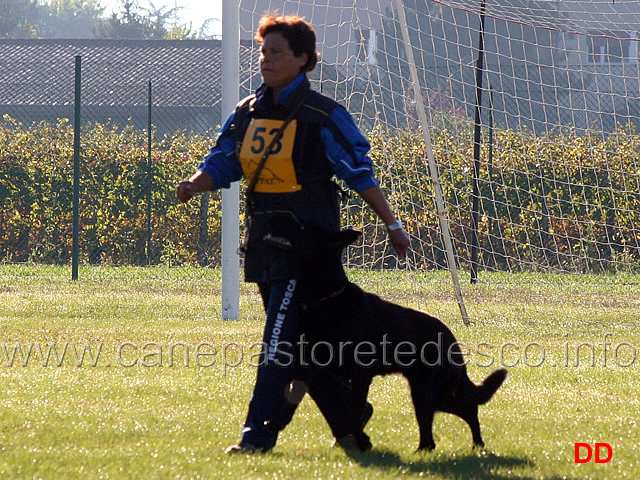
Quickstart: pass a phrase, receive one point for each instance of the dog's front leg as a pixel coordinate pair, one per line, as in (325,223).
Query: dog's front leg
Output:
(359,391)
(423,398)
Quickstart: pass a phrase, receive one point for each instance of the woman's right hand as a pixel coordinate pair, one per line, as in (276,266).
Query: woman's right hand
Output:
(199,182)
(184,191)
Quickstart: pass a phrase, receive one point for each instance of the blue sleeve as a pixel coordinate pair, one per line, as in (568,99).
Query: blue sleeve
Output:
(221,163)
(348,150)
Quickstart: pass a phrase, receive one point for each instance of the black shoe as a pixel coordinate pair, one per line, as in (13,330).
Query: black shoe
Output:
(243,447)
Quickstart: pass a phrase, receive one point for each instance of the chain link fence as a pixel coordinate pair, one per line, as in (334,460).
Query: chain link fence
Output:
(149,111)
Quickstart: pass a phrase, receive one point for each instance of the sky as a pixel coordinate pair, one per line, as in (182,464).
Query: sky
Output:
(194,11)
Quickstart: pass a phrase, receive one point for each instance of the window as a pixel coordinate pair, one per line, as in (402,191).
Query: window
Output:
(367,46)
(610,47)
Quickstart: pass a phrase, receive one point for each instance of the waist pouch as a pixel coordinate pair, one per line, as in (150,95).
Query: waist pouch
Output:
(276,243)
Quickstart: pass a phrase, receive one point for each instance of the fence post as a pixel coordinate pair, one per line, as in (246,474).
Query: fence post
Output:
(75,248)
(203,238)
(149,173)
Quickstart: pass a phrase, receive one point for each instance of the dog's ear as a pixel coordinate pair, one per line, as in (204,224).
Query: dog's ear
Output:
(343,238)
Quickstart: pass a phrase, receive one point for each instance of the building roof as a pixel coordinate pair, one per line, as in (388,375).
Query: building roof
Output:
(114,72)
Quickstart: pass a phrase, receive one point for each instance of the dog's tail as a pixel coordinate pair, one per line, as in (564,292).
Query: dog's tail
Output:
(486,389)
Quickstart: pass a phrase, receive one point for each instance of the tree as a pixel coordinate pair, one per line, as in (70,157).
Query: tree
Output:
(18,18)
(161,18)
(70,18)
(52,19)
(207,27)
(84,19)
(136,22)
(126,23)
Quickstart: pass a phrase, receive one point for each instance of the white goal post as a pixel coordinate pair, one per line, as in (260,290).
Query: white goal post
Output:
(230,196)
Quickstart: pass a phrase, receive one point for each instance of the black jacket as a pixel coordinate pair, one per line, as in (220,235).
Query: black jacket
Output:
(281,225)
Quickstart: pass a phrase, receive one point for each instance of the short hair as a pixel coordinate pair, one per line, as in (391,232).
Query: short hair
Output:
(298,33)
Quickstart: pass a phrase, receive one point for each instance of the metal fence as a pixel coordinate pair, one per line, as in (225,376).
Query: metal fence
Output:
(148,112)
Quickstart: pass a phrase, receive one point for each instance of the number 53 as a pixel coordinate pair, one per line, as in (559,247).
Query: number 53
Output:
(259,140)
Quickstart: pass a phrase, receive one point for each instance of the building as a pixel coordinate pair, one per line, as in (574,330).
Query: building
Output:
(37,78)
(547,63)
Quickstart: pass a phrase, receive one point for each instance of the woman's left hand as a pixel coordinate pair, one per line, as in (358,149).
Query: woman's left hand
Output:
(400,241)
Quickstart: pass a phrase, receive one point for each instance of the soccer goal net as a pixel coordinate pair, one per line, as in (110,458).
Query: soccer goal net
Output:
(532,110)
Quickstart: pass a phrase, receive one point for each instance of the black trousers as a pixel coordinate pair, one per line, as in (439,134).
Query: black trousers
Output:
(270,409)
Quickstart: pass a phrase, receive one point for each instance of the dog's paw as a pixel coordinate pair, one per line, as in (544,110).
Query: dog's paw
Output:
(363,441)
(348,442)
(429,447)
(354,441)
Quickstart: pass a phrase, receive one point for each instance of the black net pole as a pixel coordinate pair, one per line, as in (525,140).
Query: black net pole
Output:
(75,249)
(475,209)
(149,174)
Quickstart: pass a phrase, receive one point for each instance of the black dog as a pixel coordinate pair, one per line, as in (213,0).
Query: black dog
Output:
(360,335)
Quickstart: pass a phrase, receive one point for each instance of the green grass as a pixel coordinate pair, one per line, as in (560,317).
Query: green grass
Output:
(154,406)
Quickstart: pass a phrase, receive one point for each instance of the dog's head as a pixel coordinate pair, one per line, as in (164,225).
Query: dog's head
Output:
(338,241)
(321,271)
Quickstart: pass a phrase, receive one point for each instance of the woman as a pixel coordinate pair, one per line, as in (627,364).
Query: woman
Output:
(292,196)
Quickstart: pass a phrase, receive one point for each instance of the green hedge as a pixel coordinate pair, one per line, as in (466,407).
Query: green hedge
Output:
(36,188)
(559,202)
(564,201)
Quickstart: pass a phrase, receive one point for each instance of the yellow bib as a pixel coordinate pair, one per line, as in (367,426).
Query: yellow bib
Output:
(278,174)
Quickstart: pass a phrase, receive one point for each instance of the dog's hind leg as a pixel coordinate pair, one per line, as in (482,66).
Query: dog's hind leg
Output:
(469,413)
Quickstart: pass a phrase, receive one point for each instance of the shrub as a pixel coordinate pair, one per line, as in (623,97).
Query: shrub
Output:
(563,201)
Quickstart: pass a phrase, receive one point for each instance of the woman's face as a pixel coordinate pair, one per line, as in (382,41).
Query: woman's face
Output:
(278,64)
